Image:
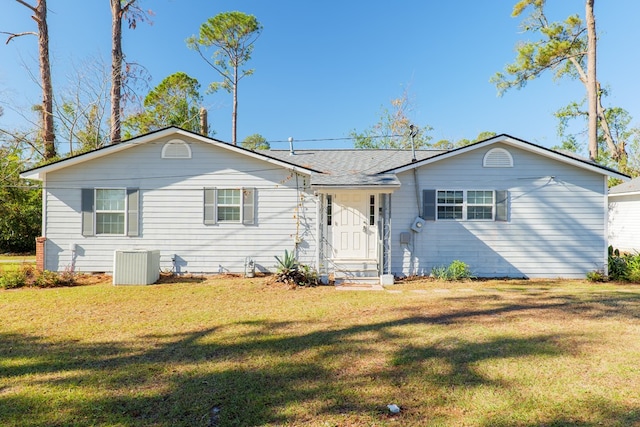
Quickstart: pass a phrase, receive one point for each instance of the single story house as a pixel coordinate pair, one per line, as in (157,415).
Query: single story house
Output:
(504,206)
(624,216)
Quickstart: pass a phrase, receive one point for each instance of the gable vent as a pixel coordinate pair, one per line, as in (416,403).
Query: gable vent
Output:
(176,149)
(497,158)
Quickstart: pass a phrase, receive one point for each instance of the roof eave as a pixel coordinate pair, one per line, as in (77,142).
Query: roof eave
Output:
(528,146)
(355,187)
(38,173)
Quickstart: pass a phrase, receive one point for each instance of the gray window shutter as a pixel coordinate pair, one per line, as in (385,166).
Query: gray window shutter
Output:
(209,206)
(248,206)
(133,207)
(502,205)
(429,205)
(87,206)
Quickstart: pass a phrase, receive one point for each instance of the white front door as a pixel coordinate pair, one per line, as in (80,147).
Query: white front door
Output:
(353,235)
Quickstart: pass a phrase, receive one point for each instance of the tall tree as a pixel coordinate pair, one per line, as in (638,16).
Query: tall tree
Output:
(592,82)
(46,111)
(569,49)
(619,121)
(132,13)
(233,35)
(174,102)
(392,129)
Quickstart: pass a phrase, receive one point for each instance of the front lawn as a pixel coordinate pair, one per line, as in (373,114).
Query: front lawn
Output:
(237,352)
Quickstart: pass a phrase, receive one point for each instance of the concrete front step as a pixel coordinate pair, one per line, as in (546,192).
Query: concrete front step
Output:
(356,272)
(365,281)
(359,287)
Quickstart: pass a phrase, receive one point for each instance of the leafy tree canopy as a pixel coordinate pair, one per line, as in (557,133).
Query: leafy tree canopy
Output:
(174,102)
(232,34)
(445,144)
(256,142)
(21,207)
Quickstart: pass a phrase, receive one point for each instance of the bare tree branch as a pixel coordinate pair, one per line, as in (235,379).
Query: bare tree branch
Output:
(14,35)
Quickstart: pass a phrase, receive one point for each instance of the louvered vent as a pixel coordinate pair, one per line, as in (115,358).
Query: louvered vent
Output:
(497,158)
(176,149)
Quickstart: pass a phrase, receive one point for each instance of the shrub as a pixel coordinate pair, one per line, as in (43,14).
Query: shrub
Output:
(11,279)
(27,275)
(596,276)
(633,268)
(624,267)
(457,270)
(617,265)
(292,273)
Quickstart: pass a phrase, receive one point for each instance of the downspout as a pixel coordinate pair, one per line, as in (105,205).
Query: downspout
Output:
(413,133)
(319,235)
(606,225)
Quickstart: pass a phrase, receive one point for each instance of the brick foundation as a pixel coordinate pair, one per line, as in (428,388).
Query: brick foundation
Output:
(40,253)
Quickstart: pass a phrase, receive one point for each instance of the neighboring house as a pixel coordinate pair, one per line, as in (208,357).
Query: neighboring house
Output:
(506,207)
(624,216)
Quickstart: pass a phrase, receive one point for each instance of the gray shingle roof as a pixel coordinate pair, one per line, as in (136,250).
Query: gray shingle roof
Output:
(351,167)
(632,186)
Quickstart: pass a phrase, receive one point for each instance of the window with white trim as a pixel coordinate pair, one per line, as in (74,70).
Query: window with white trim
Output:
(480,204)
(110,211)
(450,204)
(229,205)
(466,205)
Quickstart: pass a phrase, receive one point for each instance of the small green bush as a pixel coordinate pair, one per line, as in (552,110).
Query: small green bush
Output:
(457,270)
(27,275)
(633,268)
(12,279)
(596,276)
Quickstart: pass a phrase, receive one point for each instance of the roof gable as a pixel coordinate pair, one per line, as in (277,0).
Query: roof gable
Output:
(571,159)
(39,172)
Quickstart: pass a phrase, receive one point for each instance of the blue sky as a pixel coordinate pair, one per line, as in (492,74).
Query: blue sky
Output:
(325,68)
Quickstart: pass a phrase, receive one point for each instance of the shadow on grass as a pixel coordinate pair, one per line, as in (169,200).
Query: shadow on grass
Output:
(268,375)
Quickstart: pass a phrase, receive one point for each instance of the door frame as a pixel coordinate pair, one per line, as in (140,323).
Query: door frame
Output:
(369,209)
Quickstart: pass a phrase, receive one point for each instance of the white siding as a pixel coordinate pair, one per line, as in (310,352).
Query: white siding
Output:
(556,225)
(624,222)
(171,211)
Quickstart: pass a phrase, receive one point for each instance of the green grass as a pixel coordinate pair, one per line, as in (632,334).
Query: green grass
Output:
(17,259)
(234,352)
(14,262)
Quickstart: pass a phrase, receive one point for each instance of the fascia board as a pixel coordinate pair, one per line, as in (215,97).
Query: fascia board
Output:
(39,172)
(519,144)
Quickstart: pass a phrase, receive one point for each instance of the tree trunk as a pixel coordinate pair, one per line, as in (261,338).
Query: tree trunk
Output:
(592,81)
(234,116)
(48,132)
(116,69)
(616,152)
(204,123)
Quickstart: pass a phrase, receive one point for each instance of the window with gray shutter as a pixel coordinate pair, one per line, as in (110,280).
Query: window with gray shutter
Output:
(133,208)
(248,206)
(429,205)
(502,205)
(209,206)
(87,211)
(113,211)
(229,205)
